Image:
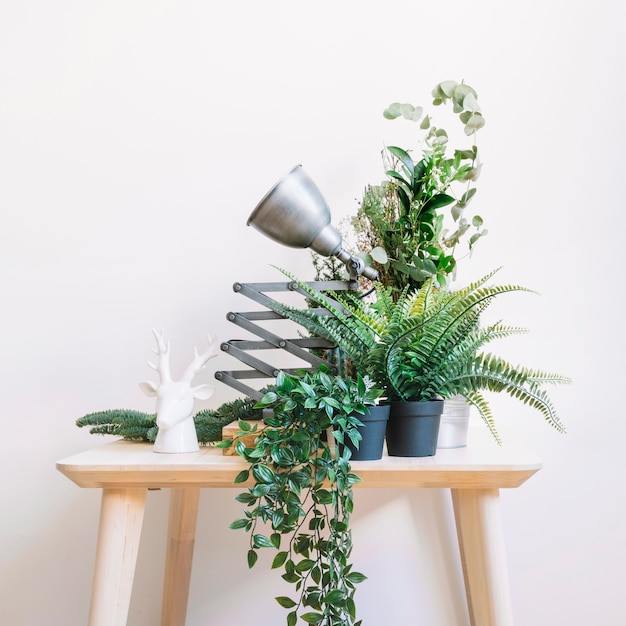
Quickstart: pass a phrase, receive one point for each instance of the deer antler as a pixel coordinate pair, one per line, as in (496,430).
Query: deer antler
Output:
(200,360)
(163,352)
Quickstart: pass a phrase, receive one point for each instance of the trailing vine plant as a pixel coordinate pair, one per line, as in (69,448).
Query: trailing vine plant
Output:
(299,495)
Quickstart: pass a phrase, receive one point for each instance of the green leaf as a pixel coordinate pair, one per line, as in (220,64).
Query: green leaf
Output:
(242,477)
(244,426)
(279,559)
(351,607)
(438,201)
(379,254)
(304,565)
(292,578)
(312,618)
(309,390)
(260,490)
(269,398)
(467,196)
(406,204)
(261,541)
(285,602)
(470,103)
(323,496)
(474,238)
(407,110)
(356,577)
(316,575)
(263,474)
(256,453)
(404,156)
(475,122)
(413,114)
(252,558)
(353,479)
(334,596)
(292,618)
(447,88)
(302,435)
(239,523)
(398,177)
(393,111)
(245,498)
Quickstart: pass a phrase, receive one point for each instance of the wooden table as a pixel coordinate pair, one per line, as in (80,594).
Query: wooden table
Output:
(125,471)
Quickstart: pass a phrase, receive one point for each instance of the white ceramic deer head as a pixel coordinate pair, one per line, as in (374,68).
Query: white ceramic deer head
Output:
(177,431)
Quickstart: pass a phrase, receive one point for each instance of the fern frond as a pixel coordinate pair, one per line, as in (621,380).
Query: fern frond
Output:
(477,400)
(124,423)
(489,372)
(351,325)
(138,426)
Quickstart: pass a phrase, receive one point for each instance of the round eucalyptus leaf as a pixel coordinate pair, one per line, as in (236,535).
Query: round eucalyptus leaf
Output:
(407,110)
(447,87)
(470,103)
(379,254)
(393,111)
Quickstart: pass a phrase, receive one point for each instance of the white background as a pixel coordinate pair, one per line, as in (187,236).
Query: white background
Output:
(135,139)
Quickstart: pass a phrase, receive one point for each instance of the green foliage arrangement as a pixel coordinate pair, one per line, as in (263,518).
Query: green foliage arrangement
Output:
(400,225)
(300,498)
(138,426)
(426,344)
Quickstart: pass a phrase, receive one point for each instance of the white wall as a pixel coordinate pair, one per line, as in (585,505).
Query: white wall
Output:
(135,139)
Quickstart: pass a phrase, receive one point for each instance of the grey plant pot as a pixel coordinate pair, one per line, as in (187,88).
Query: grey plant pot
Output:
(413,428)
(372,433)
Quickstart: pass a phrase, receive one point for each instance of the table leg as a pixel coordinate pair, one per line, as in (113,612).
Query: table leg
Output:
(483,556)
(121,517)
(180,541)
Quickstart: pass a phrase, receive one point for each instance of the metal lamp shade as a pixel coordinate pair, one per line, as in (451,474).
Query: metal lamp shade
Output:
(295,214)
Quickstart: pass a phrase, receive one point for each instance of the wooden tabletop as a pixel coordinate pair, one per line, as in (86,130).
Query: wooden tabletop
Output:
(123,464)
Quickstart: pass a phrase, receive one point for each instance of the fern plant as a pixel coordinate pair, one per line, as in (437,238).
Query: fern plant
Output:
(427,344)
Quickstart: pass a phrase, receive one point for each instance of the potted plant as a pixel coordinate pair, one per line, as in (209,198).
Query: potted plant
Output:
(416,197)
(415,225)
(425,345)
(299,497)
(409,226)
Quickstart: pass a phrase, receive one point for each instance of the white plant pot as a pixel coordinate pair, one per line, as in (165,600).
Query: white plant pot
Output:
(454,423)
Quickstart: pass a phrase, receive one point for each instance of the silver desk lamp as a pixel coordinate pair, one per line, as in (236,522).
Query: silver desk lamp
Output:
(295,214)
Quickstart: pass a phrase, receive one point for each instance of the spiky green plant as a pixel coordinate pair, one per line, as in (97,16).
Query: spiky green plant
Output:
(427,344)
(139,426)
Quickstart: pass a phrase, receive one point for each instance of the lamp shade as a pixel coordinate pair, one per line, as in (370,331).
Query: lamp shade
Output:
(295,214)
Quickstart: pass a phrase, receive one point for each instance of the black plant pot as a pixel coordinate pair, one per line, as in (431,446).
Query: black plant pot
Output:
(413,428)
(372,433)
